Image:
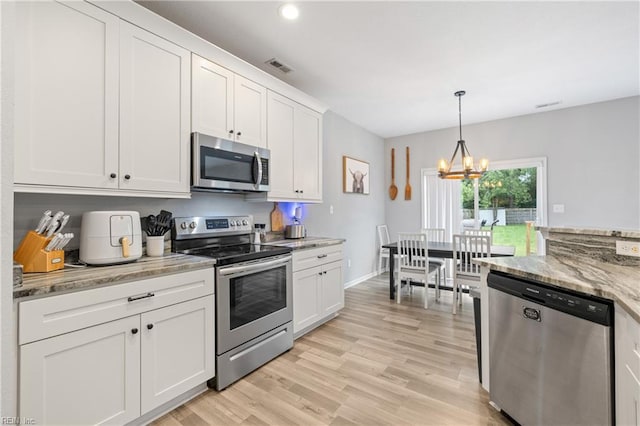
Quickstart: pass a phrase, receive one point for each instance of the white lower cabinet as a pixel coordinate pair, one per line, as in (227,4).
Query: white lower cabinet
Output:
(117,371)
(627,366)
(90,376)
(318,288)
(177,350)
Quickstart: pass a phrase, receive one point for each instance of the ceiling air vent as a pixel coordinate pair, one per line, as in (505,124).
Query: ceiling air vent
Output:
(548,104)
(279,65)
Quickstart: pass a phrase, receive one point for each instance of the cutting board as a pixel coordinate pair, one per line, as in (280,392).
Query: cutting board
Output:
(277,219)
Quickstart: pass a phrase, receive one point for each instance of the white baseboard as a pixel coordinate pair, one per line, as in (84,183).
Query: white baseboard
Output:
(360,279)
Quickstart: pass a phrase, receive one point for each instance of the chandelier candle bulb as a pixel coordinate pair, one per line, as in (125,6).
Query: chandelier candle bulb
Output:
(484,164)
(442,165)
(468,163)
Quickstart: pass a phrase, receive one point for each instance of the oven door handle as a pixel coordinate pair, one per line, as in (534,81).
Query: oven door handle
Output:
(258,161)
(254,267)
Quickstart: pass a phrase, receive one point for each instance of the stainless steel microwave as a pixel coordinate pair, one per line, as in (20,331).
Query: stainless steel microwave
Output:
(222,165)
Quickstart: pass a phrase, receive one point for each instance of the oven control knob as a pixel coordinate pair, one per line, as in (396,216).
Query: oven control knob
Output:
(245,223)
(193,225)
(232,223)
(183,225)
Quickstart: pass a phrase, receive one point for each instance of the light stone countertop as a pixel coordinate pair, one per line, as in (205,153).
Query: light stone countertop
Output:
(83,278)
(610,281)
(621,233)
(306,243)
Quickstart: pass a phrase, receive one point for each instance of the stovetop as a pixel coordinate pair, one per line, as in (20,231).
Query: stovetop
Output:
(224,238)
(226,255)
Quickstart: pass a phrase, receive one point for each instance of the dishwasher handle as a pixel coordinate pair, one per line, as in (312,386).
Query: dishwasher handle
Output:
(590,308)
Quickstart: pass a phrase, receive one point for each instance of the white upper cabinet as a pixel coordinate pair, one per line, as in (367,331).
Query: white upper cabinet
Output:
(280,143)
(102,106)
(66,91)
(308,153)
(212,98)
(228,105)
(294,137)
(154,112)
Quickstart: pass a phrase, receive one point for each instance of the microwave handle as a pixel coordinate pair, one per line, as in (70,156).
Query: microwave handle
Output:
(258,161)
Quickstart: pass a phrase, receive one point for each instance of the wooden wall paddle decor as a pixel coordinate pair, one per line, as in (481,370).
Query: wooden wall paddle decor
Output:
(407,188)
(393,189)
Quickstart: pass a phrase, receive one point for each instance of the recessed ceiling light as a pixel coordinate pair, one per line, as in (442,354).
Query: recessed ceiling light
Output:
(289,11)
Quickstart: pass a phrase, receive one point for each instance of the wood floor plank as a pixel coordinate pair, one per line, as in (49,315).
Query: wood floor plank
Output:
(377,363)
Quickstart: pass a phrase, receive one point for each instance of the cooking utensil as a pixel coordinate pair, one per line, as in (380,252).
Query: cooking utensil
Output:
(407,188)
(51,229)
(393,189)
(53,242)
(53,224)
(46,216)
(64,221)
(277,221)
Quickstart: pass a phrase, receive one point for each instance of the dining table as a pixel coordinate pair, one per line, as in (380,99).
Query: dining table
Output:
(441,250)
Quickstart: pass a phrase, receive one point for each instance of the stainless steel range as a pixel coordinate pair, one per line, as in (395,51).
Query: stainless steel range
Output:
(254,311)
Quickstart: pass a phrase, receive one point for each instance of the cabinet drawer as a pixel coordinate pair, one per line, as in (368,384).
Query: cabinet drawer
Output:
(303,259)
(51,316)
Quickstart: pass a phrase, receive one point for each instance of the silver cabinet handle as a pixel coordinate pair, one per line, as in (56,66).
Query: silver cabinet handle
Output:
(322,256)
(133,299)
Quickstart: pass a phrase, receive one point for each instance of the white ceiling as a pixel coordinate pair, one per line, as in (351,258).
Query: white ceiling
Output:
(392,67)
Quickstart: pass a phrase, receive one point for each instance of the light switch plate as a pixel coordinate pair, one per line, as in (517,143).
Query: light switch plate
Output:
(558,208)
(628,248)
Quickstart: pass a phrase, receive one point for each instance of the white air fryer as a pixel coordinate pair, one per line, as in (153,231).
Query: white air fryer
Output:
(110,237)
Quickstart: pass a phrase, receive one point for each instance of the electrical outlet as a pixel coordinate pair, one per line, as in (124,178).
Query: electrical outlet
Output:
(348,263)
(628,248)
(558,208)
(330,209)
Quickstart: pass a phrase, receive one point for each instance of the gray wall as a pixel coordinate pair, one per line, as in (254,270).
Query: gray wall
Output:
(593,153)
(354,218)
(355,215)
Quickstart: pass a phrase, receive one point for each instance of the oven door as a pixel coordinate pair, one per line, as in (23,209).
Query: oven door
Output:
(224,165)
(252,298)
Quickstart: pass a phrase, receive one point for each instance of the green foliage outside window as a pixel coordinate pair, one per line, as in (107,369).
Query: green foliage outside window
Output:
(509,188)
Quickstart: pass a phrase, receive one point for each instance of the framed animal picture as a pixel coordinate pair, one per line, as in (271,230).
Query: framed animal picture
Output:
(355,176)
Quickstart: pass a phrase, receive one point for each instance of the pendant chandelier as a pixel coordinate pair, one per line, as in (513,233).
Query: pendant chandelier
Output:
(468,169)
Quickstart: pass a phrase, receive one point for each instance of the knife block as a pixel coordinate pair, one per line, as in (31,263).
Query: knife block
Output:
(34,258)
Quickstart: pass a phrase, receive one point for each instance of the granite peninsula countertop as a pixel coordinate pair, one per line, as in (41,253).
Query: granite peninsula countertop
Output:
(306,242)
(610,281)
(83,278)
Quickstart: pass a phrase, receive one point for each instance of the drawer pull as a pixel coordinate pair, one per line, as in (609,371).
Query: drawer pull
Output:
(322,256)
(133,299)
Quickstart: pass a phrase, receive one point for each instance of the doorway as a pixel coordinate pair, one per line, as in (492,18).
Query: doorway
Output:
(508,196)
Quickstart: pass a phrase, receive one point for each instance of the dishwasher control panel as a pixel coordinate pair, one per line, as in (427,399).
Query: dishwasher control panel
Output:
(583,306)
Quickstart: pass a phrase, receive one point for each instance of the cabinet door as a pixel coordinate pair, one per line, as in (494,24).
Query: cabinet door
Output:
(332,288)
(250,112)
(280,142)
(308,153)
(66,91)
(86,377)
(154,112)
(307,308)
(212,98)
(177,350)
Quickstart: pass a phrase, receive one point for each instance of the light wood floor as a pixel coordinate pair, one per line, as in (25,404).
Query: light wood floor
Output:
(377,363)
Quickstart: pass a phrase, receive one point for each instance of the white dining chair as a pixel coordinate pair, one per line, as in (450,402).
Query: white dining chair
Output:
(466,273)
(437,235)
(413,264)
(480,233)
(383,253)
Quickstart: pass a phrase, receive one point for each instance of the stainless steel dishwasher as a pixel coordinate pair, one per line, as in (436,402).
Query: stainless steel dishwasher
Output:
(551,353)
